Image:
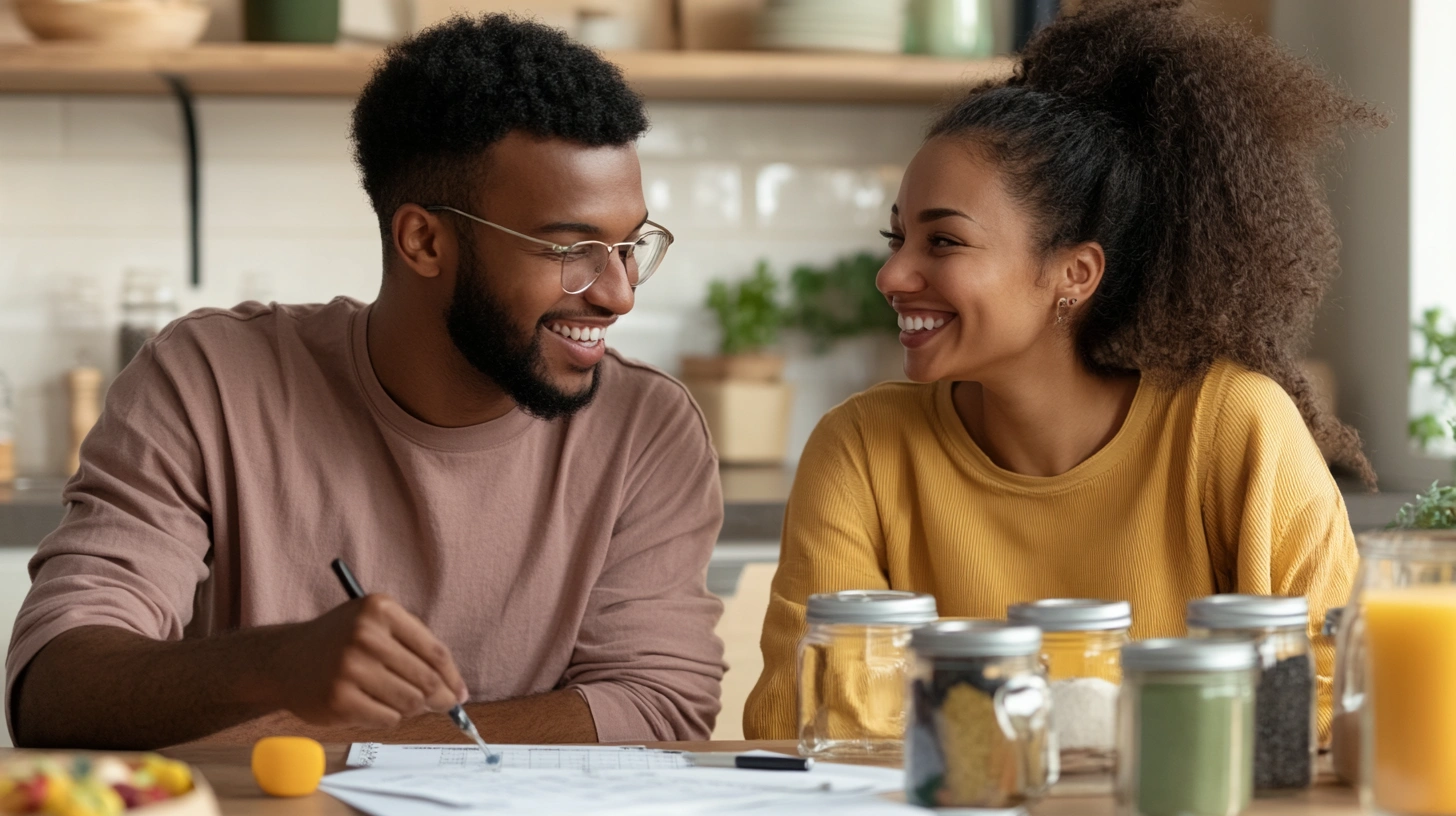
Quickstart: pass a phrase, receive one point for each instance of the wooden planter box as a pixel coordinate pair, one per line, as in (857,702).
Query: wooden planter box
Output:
(746,404)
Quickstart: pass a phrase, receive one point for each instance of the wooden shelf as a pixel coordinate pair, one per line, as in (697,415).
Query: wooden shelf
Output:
(308,70)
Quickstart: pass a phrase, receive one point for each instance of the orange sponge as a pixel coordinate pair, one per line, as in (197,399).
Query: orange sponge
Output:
(288,766)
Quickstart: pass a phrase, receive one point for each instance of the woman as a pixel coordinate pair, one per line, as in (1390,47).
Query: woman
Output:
(1105,270)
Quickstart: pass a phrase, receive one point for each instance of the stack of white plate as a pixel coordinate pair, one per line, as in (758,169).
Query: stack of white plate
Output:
(833,25)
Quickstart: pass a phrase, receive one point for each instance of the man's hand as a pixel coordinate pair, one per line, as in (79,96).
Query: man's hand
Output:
(365,663)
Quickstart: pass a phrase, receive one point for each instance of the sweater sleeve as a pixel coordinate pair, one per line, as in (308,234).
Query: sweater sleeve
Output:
(831,541)
(646,658)
(134,543)
(1276,522)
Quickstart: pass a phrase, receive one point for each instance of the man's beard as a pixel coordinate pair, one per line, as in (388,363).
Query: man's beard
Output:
(482,330)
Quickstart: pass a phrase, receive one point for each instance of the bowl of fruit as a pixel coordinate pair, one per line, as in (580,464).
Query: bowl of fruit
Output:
(102,785)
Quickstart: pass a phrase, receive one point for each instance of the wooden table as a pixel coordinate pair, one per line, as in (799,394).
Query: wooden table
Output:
(227,768)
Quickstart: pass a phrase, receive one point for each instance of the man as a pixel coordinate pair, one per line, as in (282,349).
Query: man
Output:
(536,513)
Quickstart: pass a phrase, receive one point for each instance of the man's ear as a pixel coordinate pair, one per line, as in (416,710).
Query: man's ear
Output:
(422,241)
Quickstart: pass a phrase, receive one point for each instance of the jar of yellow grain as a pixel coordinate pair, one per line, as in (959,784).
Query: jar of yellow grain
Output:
(979,720)
(852,665)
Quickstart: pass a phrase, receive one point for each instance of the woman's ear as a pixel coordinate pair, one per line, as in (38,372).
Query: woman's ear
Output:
(1080,271)
(421,242)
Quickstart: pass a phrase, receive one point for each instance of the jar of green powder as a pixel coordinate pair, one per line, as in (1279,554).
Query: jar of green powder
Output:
(979,716)
(1186,727)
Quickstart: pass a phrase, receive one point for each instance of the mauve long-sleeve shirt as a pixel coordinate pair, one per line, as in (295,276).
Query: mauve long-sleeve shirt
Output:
(245,449)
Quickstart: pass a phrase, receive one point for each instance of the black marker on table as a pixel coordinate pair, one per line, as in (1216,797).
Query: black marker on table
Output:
(457,714)
(751,762)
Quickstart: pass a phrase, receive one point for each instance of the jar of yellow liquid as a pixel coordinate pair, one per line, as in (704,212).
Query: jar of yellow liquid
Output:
(1081,646)
(853,660)
(1405,619)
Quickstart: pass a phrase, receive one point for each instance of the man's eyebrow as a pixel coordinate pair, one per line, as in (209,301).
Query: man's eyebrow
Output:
(937,213)
(578,228)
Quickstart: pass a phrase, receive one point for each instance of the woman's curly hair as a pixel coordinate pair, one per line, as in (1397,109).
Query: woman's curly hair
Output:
(1187,148)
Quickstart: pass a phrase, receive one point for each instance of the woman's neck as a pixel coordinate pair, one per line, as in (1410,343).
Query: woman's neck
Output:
(1047,421)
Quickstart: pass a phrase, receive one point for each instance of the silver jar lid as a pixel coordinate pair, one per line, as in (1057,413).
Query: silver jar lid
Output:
(963,637)
(1190,654)
(871,606)
(1248,611)
(1072,614)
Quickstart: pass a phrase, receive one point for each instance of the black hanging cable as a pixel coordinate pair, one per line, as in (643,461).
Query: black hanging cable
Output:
(183,94)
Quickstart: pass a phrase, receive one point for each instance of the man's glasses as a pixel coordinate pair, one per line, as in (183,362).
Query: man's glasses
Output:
(585,261)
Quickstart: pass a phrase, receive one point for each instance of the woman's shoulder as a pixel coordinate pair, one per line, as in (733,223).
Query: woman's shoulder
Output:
(876,414)
(884,408)
(1238,407)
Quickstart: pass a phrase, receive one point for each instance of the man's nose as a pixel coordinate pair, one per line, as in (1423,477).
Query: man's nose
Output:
(611,290)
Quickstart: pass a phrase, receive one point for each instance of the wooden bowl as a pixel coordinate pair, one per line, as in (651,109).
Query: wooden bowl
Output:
(119,23)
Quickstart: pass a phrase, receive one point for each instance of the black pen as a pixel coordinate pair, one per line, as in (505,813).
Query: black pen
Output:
(457,714)
(752,762)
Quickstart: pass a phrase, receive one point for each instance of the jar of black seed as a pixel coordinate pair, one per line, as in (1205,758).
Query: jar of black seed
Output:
(978,731)
(1285,715)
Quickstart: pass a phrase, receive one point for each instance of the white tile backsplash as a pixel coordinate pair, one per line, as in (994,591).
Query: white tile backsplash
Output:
(92,185)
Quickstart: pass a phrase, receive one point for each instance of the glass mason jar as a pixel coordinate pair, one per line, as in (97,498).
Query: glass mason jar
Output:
(1401,626)
(148,304)
(1348,697)
(1185,744)
(1081,647)
(852,664)
(1286,724)
(979,730)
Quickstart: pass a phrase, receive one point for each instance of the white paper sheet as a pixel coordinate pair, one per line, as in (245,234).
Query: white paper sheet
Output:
(531,757)
(428,781)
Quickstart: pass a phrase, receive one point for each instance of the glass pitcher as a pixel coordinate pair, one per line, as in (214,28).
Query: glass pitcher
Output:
(1398,638)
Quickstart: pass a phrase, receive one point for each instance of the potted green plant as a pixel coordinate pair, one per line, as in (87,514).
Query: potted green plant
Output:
(741,389)
(1436,359)
(839,301)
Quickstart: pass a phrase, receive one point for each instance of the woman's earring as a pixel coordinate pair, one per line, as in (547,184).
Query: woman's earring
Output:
(1064,308)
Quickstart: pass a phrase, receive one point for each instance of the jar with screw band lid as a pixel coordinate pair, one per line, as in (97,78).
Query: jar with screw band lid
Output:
(1185,727)
(979,731)
(1286,738)
(1081,647)
(852,666)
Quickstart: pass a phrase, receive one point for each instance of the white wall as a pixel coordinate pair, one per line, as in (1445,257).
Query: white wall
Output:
(1365,329)
(1433,174)
(92,185)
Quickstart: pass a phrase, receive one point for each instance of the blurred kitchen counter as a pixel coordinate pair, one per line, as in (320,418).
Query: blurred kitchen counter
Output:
(753,512)
(753,499)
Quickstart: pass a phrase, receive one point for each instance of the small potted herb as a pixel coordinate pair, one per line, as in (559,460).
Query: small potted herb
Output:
(1432,510)
(741,389)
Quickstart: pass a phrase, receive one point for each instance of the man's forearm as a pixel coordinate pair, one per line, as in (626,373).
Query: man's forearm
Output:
(553,717)
(103,687)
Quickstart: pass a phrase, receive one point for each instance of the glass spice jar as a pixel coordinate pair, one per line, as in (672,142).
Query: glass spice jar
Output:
(1286,739)
(1399,636)
(1348,697)
(852,664)
(979,730)
(148,304)
(1185,743)
(1081,647)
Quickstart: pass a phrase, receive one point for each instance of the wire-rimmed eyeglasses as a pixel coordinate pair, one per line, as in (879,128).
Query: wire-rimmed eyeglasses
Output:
(584,261)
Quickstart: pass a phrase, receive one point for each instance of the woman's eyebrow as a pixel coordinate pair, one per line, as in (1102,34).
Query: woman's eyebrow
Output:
(937,213)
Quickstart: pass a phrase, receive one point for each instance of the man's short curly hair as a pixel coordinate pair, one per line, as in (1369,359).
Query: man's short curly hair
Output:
(441,98)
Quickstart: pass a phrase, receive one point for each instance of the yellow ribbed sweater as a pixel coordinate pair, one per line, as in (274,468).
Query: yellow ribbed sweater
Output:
(1215,487)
